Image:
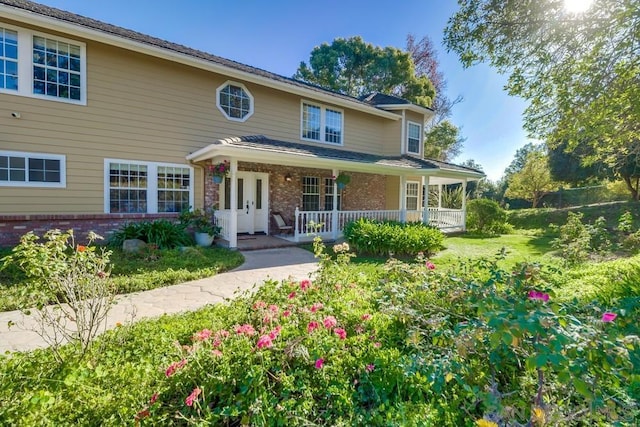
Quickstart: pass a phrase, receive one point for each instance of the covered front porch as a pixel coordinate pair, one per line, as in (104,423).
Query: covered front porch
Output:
(298,183)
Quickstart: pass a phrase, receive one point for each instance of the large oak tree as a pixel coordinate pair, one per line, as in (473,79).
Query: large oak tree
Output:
(579,72)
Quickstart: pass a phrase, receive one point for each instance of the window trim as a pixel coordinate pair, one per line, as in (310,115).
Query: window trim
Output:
(417,196)
(323,122)
(318,194)
(420,142)
(222,110)
(25,65)
(152,183)
(46,156)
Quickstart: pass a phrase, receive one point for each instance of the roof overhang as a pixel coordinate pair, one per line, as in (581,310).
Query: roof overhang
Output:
(257,155)
(410,107)
(21,15)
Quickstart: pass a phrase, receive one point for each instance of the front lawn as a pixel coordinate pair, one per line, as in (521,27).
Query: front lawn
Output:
(391,344)
(130,272)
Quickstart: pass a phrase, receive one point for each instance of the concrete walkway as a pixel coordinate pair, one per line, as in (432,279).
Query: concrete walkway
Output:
(277,264)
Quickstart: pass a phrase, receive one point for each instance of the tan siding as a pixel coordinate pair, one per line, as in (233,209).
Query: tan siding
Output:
(392,196)
(142,108)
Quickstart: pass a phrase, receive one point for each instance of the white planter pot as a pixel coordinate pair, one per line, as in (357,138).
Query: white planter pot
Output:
(204,239)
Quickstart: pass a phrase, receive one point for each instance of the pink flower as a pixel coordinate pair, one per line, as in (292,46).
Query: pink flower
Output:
(259,304)
(338,287)
(154,398)
(305,284)
(202,335)
(286,313)
(370,367)
(538,296)
(319,363)
(312,326)
(330,322)
(265,341)
(377,344)
(222,333)
(193,396)
(274,308)
(430,265)
(317,306)
(292,295)
(340,333)
(608,317)
(366,316)
(245,329)
(275,332)
(267,319)
(174,367)
(359,329)
(216,353)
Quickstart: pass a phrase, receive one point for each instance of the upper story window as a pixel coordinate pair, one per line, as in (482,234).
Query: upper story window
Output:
(18,169)
(235,101)
(321,124)
(8,59)
(414,138)
(42,66)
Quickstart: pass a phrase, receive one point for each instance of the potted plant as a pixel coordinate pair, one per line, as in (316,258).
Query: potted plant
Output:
(342,180)
(219,171)
(202,224)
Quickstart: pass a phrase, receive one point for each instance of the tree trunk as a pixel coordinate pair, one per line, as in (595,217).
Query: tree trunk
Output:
(632,189)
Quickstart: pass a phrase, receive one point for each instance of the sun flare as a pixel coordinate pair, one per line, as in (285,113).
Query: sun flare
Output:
(577,6)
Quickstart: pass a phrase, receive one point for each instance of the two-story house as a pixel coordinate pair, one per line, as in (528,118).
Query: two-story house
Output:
(100,125)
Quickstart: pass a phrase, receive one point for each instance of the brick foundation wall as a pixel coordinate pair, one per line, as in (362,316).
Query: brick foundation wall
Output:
(12,227)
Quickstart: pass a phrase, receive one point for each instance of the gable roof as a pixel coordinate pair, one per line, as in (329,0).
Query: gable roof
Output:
(260,147)
(34,10)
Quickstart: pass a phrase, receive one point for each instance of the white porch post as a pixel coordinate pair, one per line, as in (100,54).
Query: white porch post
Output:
(233,220)
(425,208)
(334,214)
(296,235)
(464,205)
(403,198)
(439,196)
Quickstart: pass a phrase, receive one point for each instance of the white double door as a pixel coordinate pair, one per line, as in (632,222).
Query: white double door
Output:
(252,202)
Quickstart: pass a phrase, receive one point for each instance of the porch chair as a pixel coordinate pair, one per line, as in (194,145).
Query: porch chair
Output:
(282,226)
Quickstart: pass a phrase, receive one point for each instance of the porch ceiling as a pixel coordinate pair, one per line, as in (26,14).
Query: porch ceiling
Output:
(260,149)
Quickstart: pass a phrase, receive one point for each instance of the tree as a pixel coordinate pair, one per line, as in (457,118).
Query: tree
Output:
(353,67)
(520,159)
(533,181)
(579,72)
(568,166)
(443,142)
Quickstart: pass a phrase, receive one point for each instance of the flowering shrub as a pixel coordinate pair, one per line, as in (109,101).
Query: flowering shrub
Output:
(421,347)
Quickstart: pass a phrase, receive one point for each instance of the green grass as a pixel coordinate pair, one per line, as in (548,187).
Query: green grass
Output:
(130,273)
(520,247)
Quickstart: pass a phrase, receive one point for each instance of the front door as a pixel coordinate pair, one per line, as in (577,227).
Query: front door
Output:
(252,203)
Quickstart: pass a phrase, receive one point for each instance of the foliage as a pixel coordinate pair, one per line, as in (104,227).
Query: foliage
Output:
(568,166)
(220,169)
(392,238)
(574,240)
(343,179)
(450,198)
(74,277)
(150,269)
(625,222)
(421,347)
(533,181)
(356,68)
(443,141)
(485,216)
(577,71)
(200,221)
(162,233)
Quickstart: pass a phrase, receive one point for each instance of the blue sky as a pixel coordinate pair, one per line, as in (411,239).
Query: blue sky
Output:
(277,34)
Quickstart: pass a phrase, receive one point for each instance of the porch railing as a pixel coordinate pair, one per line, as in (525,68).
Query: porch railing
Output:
(324,224)
(223,220)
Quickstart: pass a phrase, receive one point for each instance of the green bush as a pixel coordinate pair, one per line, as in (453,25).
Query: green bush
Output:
(574,241)
(382,238)
(485,216)
(162,233)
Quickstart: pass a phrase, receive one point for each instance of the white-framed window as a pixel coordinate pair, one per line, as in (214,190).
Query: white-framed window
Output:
(328,195)
(321,124)
(413,193)
(310,193)
(234,101)
(146,187)
(43,66)
(20,169)
(8,59)
(414,137)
